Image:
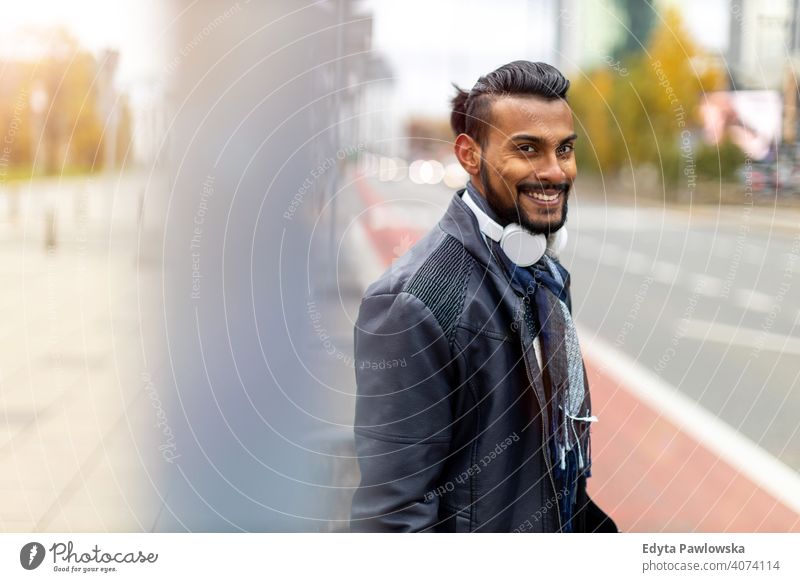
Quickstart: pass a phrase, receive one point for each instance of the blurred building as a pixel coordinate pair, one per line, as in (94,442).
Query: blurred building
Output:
(763,50)
(760,34)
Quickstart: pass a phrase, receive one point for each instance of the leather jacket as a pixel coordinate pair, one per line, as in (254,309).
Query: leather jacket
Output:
(450,415)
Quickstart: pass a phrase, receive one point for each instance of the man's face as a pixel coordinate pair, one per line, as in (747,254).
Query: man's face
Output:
(528,162)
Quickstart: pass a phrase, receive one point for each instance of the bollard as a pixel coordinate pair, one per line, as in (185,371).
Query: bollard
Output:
(50,242)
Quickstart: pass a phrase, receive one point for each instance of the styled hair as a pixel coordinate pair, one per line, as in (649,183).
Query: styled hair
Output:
(472,110)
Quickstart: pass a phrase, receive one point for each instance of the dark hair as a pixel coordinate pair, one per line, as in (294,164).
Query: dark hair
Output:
(472,110)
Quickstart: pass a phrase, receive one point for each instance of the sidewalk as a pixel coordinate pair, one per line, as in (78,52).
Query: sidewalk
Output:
(76,436)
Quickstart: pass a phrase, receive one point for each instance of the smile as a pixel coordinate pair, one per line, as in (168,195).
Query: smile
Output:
(543,197)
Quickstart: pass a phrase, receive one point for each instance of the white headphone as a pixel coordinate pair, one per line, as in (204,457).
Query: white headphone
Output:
(521,246)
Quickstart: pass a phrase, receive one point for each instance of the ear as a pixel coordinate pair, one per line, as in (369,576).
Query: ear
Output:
(468,153)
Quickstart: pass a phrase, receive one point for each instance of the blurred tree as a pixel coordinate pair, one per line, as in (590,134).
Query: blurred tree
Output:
(719,163)
(591,101)
(642,110)
(16,145)
(79,116)
(124,149)
(50,110)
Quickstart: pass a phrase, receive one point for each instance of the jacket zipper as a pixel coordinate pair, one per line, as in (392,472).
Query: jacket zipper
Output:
(546,414)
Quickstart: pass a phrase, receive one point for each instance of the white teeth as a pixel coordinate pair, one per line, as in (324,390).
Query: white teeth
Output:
(544,197)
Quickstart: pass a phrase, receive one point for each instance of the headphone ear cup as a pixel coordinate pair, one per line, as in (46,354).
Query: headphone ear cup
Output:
(522,247)
(557,241)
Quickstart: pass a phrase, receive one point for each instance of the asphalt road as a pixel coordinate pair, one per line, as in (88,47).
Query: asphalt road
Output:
(709,302)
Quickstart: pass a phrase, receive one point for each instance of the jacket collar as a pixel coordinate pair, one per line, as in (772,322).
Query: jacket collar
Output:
(460,223)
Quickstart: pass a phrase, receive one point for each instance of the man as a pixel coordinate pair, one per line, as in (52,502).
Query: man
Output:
(486,426)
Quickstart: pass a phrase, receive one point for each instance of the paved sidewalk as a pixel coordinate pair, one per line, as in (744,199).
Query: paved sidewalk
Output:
(76,426)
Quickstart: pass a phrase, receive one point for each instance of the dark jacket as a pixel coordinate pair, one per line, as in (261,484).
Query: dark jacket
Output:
(450,414)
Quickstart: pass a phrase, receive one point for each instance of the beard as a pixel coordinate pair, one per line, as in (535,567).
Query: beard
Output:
(512,214)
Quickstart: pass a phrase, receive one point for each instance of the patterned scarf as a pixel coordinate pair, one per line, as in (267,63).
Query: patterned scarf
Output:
(548,316)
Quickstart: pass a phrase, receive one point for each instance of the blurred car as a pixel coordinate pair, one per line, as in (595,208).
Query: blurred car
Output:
(781,177)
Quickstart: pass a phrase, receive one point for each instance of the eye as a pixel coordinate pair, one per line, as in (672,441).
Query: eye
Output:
(527,151)
(565,149)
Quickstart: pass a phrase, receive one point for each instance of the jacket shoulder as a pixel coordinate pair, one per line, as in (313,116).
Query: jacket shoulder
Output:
(436,270)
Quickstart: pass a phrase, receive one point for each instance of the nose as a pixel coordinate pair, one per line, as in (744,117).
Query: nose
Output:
(550,171)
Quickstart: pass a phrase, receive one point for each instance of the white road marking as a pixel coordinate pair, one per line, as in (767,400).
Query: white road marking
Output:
(748,458)
(638,263)
(703,284)
(612,255)
(723,247)
(664,272)
(741,336)
(753,300)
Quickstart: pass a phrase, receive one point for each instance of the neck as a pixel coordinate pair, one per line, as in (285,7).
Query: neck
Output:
(483,202)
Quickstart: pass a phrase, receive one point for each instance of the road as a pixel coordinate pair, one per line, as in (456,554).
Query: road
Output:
(709,305)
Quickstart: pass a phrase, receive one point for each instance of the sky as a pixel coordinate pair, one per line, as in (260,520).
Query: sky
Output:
(429,44)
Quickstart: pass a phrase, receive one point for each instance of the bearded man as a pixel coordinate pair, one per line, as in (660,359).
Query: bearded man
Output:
(487,426)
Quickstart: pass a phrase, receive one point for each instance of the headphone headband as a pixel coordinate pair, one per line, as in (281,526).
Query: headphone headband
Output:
(488,226)
(521,246)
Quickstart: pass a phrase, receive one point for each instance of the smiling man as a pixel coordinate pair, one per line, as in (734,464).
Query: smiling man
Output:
(486,427)
(523,155)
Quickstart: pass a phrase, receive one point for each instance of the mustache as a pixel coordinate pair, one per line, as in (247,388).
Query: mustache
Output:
(562,187)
